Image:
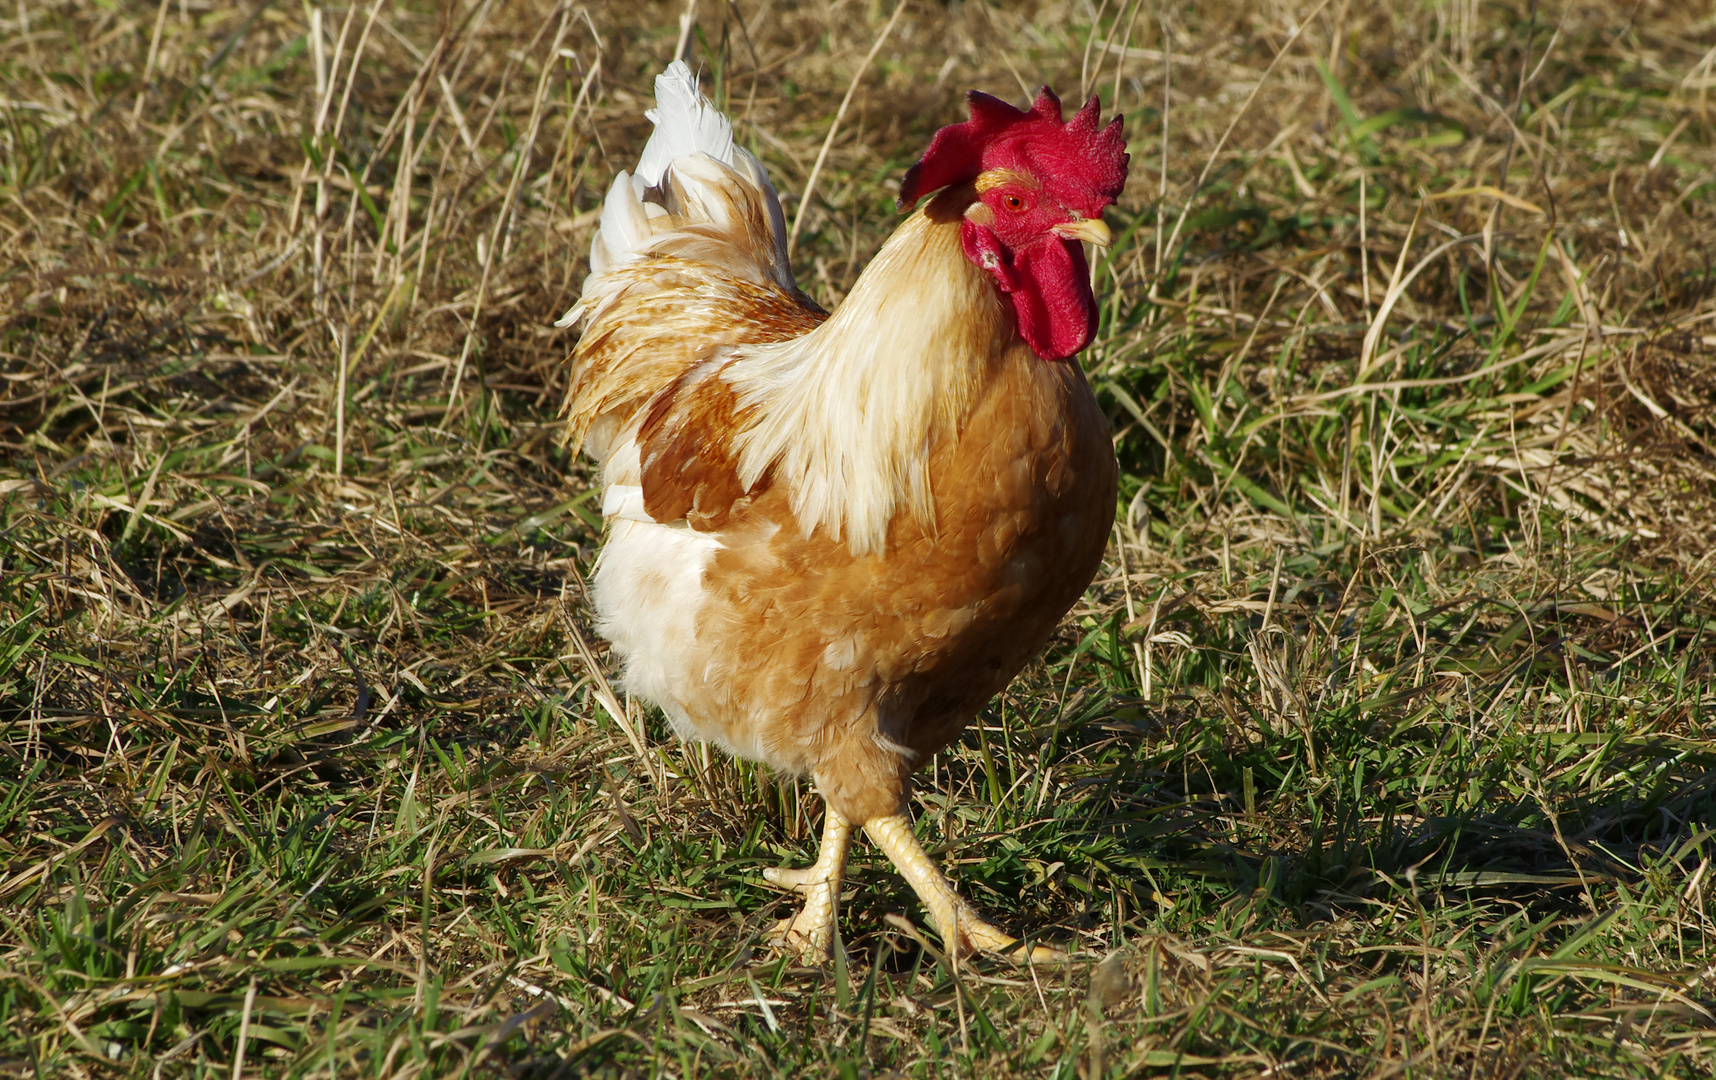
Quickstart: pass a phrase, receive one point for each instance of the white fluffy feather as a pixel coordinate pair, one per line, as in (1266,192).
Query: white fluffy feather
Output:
(686,123)
(647,589)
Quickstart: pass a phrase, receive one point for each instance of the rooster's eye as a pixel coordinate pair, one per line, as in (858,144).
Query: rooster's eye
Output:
(1014,203)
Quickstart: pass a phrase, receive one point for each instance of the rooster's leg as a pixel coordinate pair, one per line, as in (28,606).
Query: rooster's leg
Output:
(810,933)
(961,928)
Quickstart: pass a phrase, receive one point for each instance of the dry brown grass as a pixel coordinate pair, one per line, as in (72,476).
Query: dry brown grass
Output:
(1381,748)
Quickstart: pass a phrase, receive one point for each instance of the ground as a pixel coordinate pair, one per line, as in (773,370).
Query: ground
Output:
(1381,746)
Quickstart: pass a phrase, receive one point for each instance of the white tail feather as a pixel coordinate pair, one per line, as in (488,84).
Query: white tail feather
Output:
(686,123)
(713,182)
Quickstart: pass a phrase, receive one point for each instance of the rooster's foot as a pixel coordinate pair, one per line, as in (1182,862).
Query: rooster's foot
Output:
(962,929)
(811,934)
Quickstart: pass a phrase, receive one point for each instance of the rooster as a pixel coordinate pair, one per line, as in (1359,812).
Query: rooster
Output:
(832,538)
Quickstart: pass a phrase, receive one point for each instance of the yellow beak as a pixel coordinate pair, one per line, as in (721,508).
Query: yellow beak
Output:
(1090,230)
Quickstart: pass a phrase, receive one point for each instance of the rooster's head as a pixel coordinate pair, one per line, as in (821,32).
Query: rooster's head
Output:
(1039,186)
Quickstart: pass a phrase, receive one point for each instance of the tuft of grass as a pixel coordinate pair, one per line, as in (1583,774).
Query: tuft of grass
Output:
(1382,745)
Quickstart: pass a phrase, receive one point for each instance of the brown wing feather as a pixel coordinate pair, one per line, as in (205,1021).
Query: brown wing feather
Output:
(685,443)
(667,366)
(685,448)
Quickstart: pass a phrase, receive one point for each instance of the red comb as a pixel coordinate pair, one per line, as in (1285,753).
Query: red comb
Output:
(1000,135)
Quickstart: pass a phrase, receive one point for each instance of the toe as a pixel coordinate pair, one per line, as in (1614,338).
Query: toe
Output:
(788,878)
(810,944)
(1025,954)
(979,935)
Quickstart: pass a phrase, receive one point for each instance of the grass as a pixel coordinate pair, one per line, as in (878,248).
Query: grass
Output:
(1382,746)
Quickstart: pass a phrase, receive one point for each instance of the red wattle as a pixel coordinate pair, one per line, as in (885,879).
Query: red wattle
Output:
(1052,297)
